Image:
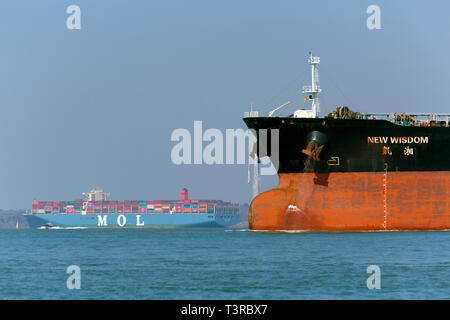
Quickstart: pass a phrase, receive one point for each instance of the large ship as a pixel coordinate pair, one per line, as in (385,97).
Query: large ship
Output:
(96,211)
(352,171)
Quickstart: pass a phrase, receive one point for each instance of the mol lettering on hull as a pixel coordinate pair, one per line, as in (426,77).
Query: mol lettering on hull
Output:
(121,221)
(135,220)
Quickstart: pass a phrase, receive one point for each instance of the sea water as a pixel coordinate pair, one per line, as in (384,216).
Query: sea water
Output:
(222,264)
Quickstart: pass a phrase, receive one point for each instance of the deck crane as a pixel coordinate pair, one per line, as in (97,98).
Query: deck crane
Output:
(279,107)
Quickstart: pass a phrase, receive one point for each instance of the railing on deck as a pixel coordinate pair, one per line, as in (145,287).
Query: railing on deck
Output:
(411,119)
(251,114)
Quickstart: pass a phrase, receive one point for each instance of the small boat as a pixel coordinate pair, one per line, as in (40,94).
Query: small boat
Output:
(48,225)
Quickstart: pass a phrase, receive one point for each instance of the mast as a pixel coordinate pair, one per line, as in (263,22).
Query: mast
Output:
(314,89)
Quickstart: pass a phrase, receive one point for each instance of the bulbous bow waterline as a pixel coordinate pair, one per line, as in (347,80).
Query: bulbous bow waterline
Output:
(355,201)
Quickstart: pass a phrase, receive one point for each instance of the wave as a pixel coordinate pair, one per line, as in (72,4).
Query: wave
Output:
(346,231)
(62,228)
(282,231)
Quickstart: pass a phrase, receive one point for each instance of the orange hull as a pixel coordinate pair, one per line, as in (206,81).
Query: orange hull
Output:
(354,201)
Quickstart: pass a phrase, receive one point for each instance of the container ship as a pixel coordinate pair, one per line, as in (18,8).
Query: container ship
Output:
(352,171)
(96,211)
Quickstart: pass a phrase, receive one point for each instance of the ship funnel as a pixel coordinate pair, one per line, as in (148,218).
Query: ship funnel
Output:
(184,195)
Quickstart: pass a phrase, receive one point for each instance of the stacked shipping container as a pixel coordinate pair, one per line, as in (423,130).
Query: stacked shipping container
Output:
(79,206)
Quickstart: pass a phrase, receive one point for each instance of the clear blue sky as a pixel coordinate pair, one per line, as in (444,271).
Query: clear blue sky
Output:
(96,106)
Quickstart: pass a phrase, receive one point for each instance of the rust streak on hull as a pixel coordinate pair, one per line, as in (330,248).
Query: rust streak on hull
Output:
(355,201)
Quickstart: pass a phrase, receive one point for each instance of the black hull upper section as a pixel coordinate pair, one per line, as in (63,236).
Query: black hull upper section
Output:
(346,145)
